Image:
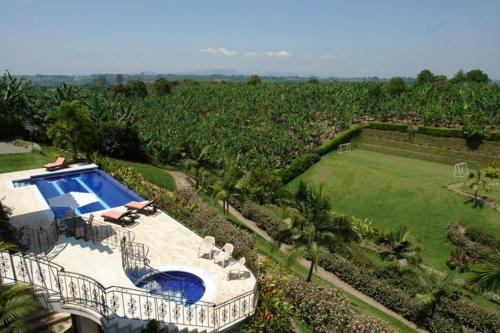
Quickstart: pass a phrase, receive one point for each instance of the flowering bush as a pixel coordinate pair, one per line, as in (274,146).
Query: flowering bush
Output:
(255,213)
(274,311)
(323,309)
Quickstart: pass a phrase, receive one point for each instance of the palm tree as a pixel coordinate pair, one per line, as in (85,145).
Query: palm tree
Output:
(72,126)
(16,304)
(313,226)
(227,186)
(399,248)
(486,274)
(477,183)
(430,299)
(195,164)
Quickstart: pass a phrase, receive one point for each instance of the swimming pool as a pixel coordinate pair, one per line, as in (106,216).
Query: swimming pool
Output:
(185,287)
(108,191)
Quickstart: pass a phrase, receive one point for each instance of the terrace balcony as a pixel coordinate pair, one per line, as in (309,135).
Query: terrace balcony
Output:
(97,277)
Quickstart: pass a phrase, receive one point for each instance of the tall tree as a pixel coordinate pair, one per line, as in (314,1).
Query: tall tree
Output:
(425,77)
(477,75)
(72,127)
(396,86)
(162,87)
(254,80)
(119,79)
(313,226)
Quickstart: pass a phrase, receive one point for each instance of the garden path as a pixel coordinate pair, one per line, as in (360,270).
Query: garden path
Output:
(182,180)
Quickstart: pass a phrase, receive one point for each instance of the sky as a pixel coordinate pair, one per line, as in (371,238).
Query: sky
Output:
(349,38)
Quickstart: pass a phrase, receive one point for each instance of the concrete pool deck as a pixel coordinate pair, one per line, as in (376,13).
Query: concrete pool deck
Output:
(30,207)
(172,246)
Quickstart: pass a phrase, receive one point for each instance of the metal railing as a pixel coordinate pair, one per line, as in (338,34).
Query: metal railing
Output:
(74,289)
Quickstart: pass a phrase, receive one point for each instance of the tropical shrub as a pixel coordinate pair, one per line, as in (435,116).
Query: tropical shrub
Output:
(456,234)
(118,140)
(298,166)
(325,309)
(255,213)
(343,137)
(274,311)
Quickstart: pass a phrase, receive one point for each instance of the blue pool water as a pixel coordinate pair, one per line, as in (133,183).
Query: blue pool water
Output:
(186,287)
(109,191)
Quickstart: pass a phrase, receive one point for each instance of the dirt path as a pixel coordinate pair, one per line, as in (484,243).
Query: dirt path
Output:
(182,181)
(456,188)
(7,148)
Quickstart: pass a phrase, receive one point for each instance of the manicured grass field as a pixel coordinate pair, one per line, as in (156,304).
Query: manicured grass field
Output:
(394,191)
(155,175)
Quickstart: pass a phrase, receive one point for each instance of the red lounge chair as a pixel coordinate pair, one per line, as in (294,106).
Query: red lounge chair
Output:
(58,164)
(118,217)
(145,207)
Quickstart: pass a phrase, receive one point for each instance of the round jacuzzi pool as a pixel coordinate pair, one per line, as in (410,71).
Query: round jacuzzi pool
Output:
(183,286)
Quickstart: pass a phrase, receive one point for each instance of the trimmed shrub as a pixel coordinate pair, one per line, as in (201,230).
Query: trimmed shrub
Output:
(457,235)
(343,137)
(298,166)
(494,136)
(388,127)
(441,132)
(255,213)
(471,315)
(325,309)
(483,237)
(366,280)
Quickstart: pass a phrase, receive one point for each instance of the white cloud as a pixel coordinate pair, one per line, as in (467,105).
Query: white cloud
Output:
(277,54)
(327,56)
(218,51)
(252,54)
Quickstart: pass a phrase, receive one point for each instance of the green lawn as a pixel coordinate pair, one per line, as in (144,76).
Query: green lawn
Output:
(26,161)
(155,175)
(395,191)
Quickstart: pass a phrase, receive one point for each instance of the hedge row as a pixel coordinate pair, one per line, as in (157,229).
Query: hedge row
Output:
(298,166)
(441,132)
(324,309)
(343,137)
(431,131)
(261,218)
(369,282)
(365,280)
(388,127)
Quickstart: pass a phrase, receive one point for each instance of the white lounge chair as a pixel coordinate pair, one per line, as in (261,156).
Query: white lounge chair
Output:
(224,255)
(207,245)
(236,269)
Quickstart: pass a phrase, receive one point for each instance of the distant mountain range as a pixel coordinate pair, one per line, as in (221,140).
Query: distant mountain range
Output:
(214,75)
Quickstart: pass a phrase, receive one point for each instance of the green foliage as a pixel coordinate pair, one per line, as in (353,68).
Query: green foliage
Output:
(261,218)
(396,86)
(71,127)
(399,247)
(343,137)
(388,127)
(323,309)
(486,274)
(314,226)
(298,166)
(441,132)
(254,80)
(274,314)
(425,77)
(137,89)
(118,140)
(477,75)
(162,87)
